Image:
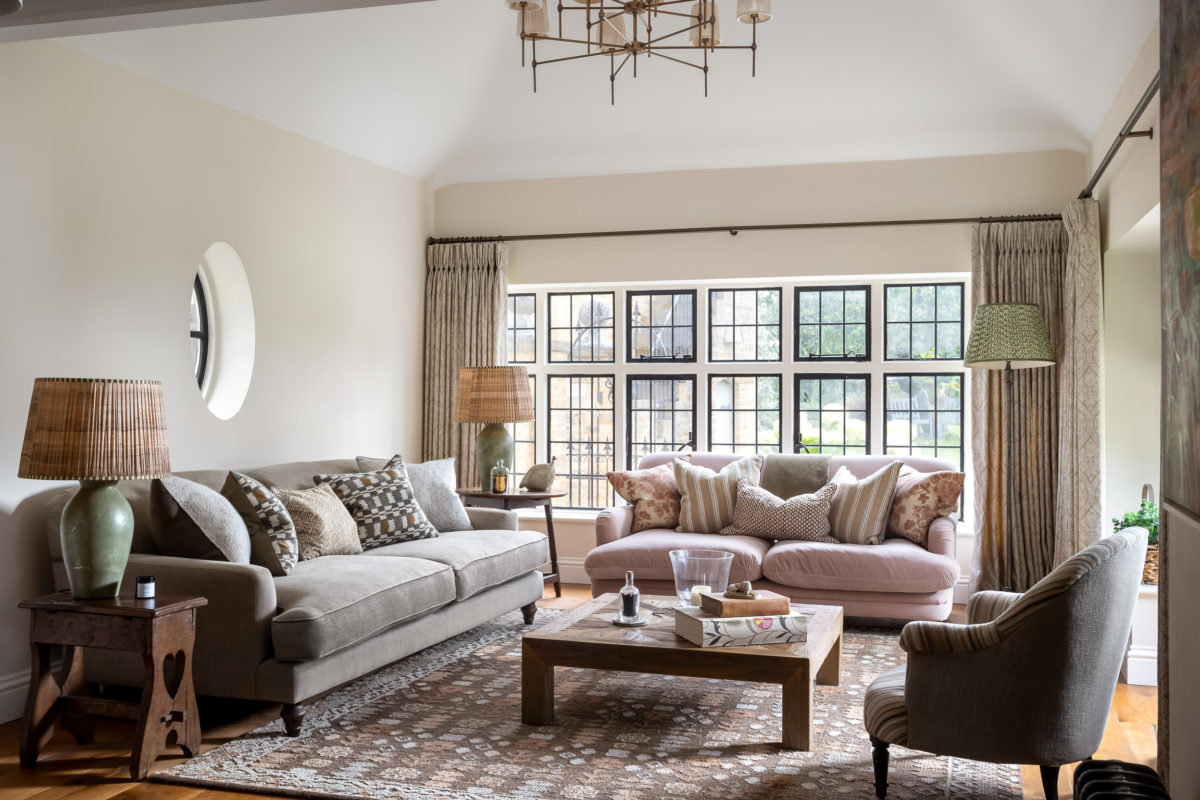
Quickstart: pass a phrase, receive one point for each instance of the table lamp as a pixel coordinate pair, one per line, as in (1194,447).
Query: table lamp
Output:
(1008,336)
(97,432)
(493,395)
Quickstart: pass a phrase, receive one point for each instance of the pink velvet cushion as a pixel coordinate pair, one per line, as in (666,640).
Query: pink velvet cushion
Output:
(896,565)
(760,513)
(653,493)
(648,555)
(920,498)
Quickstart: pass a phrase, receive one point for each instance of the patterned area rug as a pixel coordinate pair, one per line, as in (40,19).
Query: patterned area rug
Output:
(444,724)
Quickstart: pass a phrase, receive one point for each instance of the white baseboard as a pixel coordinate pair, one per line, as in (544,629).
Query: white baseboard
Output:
(962,589)
(571,570)
(1141,666)
(12,695)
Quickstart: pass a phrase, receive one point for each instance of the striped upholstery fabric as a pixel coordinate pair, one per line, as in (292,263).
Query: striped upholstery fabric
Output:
(884,713)
(860,508)
(707,498)
(947,637)
(986,606)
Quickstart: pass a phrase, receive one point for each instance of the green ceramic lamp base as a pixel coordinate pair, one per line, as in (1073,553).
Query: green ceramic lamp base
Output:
(97,533)
(493,444)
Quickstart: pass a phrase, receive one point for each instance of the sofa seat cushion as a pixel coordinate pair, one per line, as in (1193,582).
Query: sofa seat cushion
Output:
(479,559)
(332,602)
(648,554)
(897,565)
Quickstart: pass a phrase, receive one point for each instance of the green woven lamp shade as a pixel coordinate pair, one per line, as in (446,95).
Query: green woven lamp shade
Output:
(1005,334)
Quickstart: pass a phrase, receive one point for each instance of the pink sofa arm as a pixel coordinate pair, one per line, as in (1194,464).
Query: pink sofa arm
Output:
(943,537)
(613,523)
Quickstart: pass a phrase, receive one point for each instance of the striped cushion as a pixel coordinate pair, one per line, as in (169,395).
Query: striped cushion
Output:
(884,713)
(707,498)
(860,508)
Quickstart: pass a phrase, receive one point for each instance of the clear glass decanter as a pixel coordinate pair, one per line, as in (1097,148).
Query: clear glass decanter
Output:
(631,600)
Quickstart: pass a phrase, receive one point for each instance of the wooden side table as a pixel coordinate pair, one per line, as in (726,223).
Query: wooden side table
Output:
(162,630)
(511,501)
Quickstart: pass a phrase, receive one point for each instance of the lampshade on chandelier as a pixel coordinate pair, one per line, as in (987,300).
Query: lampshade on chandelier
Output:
(680,31)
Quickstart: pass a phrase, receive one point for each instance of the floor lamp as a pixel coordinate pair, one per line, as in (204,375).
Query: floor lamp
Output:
(1008,336)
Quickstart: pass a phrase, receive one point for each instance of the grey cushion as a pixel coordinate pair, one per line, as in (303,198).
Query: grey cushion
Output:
(480,559)
(334,601)
(190,520)
(433,483)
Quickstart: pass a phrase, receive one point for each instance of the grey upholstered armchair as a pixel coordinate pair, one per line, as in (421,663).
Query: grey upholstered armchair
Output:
(1028,680)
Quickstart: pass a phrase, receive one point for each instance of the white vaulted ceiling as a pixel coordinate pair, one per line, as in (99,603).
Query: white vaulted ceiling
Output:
(436,89)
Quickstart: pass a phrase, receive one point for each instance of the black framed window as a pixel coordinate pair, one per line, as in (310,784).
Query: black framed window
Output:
(661,414)
(662,326)
(522,328)
(833,323)
(581,426)
(923,322)
(581,327)
(198,330)
(833,413)
(524,439)
(744,324)
(744,413)
(924,415)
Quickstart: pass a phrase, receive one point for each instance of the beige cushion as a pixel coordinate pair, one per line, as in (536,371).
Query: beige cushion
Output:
(897,565)
(707,498)
(190,520)
(332,602)
(480,559)
(648,555)
(323,525)
(762,514)
(860,507)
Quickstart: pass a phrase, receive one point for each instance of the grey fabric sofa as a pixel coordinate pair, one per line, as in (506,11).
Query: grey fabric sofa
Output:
(334,619)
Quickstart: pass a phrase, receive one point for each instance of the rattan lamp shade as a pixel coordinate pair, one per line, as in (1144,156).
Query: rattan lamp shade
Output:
(493,394)
(82,429)
(1009,333)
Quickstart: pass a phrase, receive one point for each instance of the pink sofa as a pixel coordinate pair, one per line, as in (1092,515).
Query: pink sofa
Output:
(894,580)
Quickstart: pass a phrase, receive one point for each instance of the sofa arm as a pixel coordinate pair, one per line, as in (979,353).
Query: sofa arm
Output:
(943,537)
(986,606)
(233,632)
(492,519)
(947,637)
(613,523)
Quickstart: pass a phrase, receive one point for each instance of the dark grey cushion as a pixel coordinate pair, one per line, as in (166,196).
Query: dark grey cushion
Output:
(333,602)
(433,483)
(480,559)
(190,520)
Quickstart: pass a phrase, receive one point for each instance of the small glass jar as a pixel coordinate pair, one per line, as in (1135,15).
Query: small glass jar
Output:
(499,478)
(630,602)
(145,587)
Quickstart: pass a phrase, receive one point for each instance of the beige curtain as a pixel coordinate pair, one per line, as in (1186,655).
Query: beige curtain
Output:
(1056,456)
(466,290)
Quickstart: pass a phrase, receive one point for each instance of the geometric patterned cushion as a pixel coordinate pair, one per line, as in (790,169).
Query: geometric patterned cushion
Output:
(272,534)
(920,498)
(323,525)
(759,513)
(383,505)
(860,507)
(885,715)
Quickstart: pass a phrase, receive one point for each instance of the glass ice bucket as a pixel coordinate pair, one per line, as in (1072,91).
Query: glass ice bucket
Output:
(700,571)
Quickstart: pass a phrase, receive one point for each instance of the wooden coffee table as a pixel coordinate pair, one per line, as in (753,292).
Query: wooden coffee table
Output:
(591,641)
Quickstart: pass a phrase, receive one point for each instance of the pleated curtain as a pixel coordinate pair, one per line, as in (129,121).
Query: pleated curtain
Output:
(1056,456)
(466,291)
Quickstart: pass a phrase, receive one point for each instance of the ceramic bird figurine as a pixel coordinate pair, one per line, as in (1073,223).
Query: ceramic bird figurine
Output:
(539,477)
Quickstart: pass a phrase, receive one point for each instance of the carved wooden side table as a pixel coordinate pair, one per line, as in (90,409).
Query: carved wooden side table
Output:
(161,629)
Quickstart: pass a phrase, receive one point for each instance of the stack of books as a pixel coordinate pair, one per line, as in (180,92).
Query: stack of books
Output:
(721,621)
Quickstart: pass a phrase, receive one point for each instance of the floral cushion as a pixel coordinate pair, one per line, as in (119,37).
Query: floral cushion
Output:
(653,493)
(920,498)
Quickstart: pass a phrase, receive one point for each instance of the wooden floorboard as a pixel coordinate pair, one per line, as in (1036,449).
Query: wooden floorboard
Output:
(100,771)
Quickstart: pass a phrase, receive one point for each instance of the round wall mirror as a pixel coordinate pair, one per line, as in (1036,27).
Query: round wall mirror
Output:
(221,327)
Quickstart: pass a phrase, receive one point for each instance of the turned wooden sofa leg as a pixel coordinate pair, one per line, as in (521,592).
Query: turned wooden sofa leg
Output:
(529,612)
(1050,782)
(879,755)
(293,718)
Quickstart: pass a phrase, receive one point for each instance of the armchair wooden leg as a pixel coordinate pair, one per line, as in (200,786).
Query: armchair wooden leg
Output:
(293,718)
(879,755)
(1050,782)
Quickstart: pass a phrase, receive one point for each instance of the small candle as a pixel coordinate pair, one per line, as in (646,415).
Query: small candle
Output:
(696,590)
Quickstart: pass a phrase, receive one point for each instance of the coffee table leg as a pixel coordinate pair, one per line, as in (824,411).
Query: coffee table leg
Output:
(830,672)
(537,688)
(797,710)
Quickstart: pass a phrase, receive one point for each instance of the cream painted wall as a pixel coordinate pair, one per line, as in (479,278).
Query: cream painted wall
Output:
(111,189)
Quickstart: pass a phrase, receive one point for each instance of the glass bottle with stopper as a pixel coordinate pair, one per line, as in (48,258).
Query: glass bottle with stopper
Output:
(630,602)
(499,478)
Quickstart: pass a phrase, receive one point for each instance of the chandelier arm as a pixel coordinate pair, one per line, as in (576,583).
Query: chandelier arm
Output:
(557,39)
(703,47)
(672,34)
(574,58)
(680,61)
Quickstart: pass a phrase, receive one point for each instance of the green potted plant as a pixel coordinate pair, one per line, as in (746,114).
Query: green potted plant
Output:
(1146,516)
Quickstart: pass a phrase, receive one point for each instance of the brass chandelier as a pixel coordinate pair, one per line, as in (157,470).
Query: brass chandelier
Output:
(626,31)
